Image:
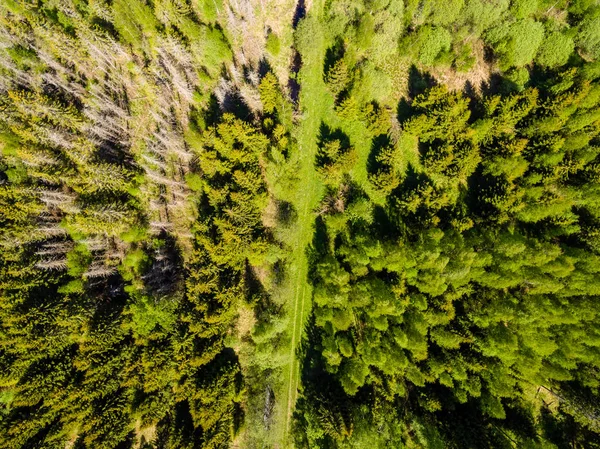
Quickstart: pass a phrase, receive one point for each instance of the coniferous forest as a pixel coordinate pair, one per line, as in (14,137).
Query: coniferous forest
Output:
(307,224)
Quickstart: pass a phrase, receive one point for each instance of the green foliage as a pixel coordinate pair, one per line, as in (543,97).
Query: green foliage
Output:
(96,228)
(78,260)
(135,23)
(134,234)
(160,257)
(443,289)
(518,43)
(518,77)
(334,160)
(215,49)
(209,9)
(273,44)
(269,93)
(464,58)
(194,181)
(522,9)
(375,84)
(588,37)
(555,50)
(482,14)
(445,12)
(432,42)
(146,316)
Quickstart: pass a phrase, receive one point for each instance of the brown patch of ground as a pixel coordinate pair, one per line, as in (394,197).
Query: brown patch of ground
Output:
(558,15)
(270,214)
(246,321)
(549,399)
(475,78)
(143,434)
(397,69)
(71,441)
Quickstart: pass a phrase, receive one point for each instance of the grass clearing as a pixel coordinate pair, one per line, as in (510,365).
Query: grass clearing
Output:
(316,105)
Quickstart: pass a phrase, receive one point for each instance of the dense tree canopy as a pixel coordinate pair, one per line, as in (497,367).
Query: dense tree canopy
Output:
(331,224)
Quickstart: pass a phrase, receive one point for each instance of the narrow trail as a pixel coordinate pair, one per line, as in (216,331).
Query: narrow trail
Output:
(305,219)
(309,192)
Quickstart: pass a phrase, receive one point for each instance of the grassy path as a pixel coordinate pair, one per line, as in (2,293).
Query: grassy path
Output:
(315,104)
(305,202)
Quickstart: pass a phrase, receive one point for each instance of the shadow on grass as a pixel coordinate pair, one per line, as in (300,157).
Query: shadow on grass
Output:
(378,145)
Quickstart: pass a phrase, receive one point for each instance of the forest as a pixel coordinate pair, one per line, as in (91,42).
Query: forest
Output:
(312,224)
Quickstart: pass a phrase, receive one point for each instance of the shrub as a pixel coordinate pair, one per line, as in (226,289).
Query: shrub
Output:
(375,84)
(591,70)
(517,78)
(464,59)
(365,32)
(434,40)
(445,12)
(309,36)
(388,30)
(194,181)
(555,50)
(588,38)
(273,44)
(526,37)
(516,44)
(522,9)
(481,14)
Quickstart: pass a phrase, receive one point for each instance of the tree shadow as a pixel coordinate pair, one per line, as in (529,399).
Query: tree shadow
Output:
(163,276)
(419,82)
(383,226)
(286,213)
(233,103)
(333,54)
(480,184)
(326,135)
(299,13)
(470,91)
(254,289)
(403,111)
(322,392)
(279,272)
(264,67)
(105,26)
(499,84)
(378,144)
(212,113)
(319,247)
(107,289)
(293,84)
(412,180)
